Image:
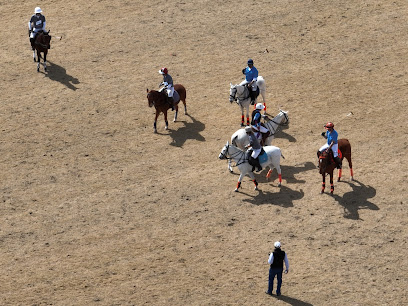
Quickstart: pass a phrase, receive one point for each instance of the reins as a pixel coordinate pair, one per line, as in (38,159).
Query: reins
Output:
(241,159)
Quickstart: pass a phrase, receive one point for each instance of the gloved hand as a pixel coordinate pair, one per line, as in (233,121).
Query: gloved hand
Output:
(324,134)
(243,71)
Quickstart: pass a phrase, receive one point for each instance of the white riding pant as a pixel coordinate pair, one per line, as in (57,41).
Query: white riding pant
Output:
(170,91)
(253,86)
(334,148)
(255,153)
(34,32)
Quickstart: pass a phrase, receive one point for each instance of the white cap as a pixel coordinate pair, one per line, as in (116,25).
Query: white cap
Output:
(37,10)
(259,106)
(277,244)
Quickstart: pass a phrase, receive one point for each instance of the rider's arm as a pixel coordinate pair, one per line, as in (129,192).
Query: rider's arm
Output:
(43,28)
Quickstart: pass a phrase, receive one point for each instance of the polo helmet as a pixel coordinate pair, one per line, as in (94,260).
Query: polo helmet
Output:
(163,70)
(37,10)
(259,106)
(329,125)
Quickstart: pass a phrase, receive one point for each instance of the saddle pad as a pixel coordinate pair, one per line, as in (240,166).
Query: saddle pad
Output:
(263,157)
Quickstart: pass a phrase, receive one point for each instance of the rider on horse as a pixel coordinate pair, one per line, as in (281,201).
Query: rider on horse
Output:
(168,83)
(332,144)
(251,76)
(256,149)
(256,125)
(36,25)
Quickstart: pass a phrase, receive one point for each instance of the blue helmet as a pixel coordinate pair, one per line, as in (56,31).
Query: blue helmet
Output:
(250,62)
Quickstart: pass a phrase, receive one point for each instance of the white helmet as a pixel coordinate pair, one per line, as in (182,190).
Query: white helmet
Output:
(277,245)
(37,10)
(248,129)
(259,106)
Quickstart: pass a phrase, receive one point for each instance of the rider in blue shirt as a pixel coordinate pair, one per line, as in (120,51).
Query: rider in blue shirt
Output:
(251,76)
(331,143)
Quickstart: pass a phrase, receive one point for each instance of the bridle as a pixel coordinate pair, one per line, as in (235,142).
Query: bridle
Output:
(233,97)
(279,124)
(242,159)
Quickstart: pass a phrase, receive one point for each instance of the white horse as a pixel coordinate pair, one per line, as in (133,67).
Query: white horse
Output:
(271,159)
(240,94)
(240,138)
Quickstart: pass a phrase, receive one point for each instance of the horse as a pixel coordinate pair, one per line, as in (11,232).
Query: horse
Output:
(159,100)
(41,44)
(240,138)
(271,158)
(327,163)
(240,94)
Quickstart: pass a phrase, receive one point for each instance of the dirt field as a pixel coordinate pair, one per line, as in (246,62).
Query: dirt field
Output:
(98,210)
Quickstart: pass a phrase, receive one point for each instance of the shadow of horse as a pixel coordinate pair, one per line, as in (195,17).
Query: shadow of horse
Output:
(292,301)
(59,74)
(188,131)
(283,198)
(356,199)
(288,172)
(284,135)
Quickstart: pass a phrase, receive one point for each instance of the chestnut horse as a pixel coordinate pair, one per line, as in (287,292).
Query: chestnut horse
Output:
(159,100)
(42,44)
(327,163)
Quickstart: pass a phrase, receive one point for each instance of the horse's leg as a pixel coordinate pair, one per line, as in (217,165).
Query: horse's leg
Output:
(165,120)
(241,176)
(34,56)
(229,166)
(331,183)
(323,183)
(175,114)
(252,176)
(348,157)
(155,121)
(242,116)
(247,112)
(38,61)
(45,61)
(185,107)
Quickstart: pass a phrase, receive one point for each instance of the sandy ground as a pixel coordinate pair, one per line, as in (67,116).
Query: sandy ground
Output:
(97,209)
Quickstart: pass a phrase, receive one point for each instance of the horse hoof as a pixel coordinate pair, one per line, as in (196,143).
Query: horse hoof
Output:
(231,171)
(236,190)
(321,192)
(166,128)
(352,178)
(256,188)
(280,184)
(155,131)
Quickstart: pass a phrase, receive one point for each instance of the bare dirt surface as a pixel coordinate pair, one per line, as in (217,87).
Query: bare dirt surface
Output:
(97,209)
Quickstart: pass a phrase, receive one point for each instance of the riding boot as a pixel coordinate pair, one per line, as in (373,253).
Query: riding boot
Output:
(32,43)
(258,164)
(338,162)
(170,99)
(252,95)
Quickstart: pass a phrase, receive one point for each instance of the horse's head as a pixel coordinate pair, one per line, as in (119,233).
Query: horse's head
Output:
(224,152)
(284,117)
(233,92)
(325,160)
(150,99)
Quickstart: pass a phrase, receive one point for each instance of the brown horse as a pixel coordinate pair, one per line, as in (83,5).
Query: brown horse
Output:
(42,44)
(159,100)
(327,163)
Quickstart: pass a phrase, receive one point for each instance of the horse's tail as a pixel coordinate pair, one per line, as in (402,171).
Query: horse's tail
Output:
(261,83)
(283,156)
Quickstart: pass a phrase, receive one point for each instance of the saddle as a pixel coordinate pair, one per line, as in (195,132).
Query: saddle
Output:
(255,162)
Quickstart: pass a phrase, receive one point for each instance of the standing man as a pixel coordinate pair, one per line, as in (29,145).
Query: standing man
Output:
(36,25)
(168,82)
(251,76)
(276,259)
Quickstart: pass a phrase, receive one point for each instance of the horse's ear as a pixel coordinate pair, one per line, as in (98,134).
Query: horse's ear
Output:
(147,90)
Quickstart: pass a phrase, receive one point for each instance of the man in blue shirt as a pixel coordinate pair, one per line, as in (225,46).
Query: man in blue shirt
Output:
(251,76)
(332,144)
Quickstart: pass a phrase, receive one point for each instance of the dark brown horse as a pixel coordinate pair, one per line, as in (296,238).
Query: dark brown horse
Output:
(42,44)
(158,99)
(327,163)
